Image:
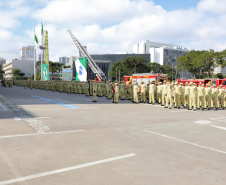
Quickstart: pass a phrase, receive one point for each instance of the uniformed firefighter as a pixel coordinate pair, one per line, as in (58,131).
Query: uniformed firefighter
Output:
(193,97)
(164,93)
(200,99)
(159,92)
(130,91)
(116,94)
(214,97)
(147,91)
(177,89)
(94,91)
(221,97)
(182,93)
(152,93)
(169,96)
(224,97)
(136,90)
(207,97)
(123,91)
(143,92)
(186,94)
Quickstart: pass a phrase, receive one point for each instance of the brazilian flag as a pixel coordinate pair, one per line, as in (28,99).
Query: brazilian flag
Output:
(45,72)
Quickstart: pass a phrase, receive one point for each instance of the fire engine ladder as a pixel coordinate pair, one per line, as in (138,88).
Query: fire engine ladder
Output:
(92,64)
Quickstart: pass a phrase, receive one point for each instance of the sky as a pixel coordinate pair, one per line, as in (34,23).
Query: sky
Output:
(110,26)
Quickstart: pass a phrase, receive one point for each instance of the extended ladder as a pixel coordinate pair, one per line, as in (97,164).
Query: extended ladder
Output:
(92,64)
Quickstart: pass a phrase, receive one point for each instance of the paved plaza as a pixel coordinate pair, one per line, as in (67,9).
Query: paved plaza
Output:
(53,138)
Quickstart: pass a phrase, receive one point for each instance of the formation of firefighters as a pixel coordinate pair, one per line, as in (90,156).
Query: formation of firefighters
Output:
(166,94)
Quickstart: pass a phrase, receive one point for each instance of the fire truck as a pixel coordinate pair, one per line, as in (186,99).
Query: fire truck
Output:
(210,81)
(146,78)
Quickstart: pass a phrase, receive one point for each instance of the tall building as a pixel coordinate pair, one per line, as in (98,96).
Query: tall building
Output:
(2,61)
(27,53)
(64,60)
(162,53)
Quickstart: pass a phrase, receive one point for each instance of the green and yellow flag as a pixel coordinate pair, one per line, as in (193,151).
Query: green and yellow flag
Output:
(45,72)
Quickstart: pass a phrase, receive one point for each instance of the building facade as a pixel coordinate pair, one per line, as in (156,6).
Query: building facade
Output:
(64,60)
(105,61)
(26,67)
(2,61)
(162,53)
(220,70)
(27,53)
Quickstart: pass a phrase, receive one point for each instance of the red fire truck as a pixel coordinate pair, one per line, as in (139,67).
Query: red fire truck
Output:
(210,81)
(146,78)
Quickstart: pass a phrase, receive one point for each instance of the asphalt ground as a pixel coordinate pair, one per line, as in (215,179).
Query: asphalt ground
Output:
(53,138)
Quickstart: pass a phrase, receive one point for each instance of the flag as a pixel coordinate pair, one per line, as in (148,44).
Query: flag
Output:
(81,69)
(35,39)
(45,72)
(42,29)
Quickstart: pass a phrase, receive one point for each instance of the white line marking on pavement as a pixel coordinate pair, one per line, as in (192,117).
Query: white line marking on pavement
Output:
(183,141)
(43,117)
(17,118)
(24,135)
(3,107)
(217,118)
(222,128)
(203,122)
(64,169)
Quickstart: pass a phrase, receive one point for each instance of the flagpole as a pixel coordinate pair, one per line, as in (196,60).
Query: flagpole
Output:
(41,51)
(34,58)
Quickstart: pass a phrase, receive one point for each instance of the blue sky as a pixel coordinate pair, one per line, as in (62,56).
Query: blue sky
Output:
(111,26)
(171,5)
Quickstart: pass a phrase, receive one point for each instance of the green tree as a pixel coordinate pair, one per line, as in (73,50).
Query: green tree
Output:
(1,72)
(154,67)
(221,58)
(168,69)
(209,62)
(67,66)
(16,73)
(128,66)
(135,65)
(218,75)
(193,62)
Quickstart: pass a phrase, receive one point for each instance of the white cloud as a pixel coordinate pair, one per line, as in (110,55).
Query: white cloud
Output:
(113,26)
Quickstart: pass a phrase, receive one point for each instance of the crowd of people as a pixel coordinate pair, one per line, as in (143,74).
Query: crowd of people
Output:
(169,95)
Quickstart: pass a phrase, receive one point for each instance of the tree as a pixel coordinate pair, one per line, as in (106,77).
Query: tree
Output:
(154,67)
(209,62)
(1,72)
(16,73)
(193,62)
(218,75)
(135,65)
(67,66)
(168,69)
(221,58)
(52,67)
(128,66)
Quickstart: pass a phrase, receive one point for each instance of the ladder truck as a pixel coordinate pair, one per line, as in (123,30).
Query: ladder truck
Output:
(92,64)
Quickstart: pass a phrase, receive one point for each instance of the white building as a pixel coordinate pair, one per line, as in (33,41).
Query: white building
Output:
(220,70)
(26,67)
(162,53)
(27,53)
